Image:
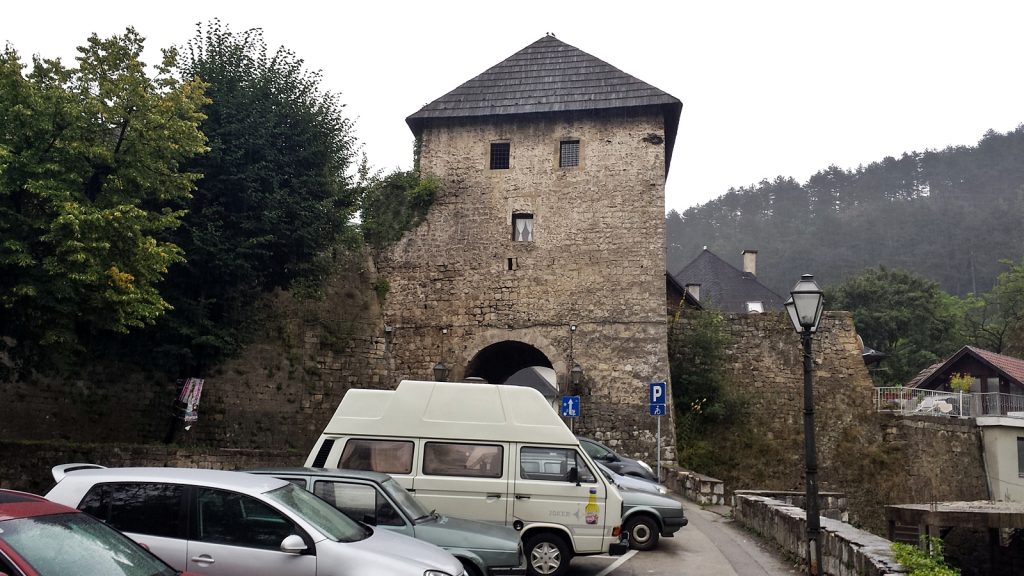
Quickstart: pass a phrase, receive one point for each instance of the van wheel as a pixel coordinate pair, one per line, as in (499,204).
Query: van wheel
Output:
(547,554)
(643,532)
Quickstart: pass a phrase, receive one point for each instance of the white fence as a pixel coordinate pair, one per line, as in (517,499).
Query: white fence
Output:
(942,403)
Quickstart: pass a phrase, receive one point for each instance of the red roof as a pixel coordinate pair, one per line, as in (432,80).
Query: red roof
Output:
(1011,368)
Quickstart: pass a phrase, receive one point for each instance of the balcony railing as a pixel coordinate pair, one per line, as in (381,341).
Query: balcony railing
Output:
(902,400)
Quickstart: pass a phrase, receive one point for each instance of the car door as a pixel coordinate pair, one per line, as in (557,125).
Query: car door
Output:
(151,513)
(467,480)
(363,501)
(544,493)
(237,535)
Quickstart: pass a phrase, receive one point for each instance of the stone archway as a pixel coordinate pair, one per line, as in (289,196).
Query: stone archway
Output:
(497,362)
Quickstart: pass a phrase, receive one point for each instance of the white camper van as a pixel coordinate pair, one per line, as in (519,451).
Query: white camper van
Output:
(485,452)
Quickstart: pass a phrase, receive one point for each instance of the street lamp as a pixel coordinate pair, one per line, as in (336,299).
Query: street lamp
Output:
(440,372)
(575,375)
(804,308)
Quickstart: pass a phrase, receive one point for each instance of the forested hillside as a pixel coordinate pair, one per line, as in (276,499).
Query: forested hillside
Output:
(950,215)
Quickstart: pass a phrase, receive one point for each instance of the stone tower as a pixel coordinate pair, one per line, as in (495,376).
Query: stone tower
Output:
(545,246)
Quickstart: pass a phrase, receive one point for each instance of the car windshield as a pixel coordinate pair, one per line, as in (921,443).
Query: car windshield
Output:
(61,544)
(326,518)
(406,501)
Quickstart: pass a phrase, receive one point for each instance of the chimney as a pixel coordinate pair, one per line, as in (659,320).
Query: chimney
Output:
(694,291)
(750,262)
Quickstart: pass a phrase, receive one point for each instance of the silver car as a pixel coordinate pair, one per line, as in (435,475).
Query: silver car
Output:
(375,498)
(219,523)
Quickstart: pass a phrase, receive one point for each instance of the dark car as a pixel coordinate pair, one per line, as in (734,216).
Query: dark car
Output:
(43,538)
(616,462)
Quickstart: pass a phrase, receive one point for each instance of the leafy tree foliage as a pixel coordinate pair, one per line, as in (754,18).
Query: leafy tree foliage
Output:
(394,204)
(905,316)
(91,182)
(995,320)
(276,193)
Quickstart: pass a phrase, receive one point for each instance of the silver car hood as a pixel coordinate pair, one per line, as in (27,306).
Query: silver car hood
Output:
(384,553)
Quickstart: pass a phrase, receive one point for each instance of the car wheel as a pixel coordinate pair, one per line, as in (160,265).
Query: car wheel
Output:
(643,532)
(547,554)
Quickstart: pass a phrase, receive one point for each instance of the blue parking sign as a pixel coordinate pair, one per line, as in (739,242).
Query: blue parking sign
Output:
(570,406)
(656,393)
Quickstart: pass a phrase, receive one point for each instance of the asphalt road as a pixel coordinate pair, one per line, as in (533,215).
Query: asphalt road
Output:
(711,545)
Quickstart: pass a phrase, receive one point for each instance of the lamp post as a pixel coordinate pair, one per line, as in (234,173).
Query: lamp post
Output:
(804,307)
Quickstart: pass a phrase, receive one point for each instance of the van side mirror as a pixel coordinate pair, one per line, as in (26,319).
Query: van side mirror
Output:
(574,475)
(293,544)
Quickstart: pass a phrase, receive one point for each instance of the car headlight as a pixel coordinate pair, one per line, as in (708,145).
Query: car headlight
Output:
(646,467)
(662,489)
(441,573)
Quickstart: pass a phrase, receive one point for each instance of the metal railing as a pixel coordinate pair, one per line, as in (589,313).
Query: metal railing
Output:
(902,400)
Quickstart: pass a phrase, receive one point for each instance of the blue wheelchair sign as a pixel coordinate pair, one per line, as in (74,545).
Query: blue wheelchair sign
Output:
(570,406)
(657,409)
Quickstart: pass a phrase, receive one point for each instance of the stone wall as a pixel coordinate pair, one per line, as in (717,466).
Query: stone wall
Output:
(846,551)
(27,464)
(459,283)
(875,459)
(279,393)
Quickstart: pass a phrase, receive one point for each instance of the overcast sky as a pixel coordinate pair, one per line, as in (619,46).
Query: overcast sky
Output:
(769,87)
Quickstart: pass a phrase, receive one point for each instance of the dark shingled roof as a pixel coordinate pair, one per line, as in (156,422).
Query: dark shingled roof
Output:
(550,76)
(1010,368)
(726,288)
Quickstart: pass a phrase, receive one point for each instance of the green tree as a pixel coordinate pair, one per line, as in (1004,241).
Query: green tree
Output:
(995,320)
(275,197)
(91,182)
(905,316)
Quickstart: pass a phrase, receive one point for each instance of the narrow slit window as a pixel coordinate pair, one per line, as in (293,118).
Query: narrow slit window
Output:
(522,227)
(500,154)
(569,154)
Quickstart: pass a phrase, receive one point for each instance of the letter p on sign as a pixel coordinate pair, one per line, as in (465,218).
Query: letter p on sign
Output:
(657,393)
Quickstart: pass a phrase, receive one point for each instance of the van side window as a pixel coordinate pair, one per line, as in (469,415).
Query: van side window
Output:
(451,459)
(553,464)
(389,456)
(142,508)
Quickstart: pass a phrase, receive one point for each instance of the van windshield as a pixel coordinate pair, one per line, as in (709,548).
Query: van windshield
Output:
(326,518)
(405,500)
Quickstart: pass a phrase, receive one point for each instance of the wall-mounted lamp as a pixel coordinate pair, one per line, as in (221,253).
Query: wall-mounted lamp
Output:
(440,372)
(572,327)
(388,329)
(576,374)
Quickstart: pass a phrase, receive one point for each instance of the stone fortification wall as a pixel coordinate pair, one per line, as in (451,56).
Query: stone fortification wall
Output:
(279,393)
(596,261)
(875,459)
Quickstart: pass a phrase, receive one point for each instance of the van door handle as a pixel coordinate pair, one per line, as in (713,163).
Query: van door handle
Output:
(493,496)
(522,497)
(203,559)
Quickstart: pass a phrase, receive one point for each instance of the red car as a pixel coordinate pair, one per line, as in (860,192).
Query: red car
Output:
(42,538)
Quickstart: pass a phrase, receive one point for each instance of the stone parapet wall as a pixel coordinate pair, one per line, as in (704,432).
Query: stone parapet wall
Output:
(699,488)
(846,551)
(832,505)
